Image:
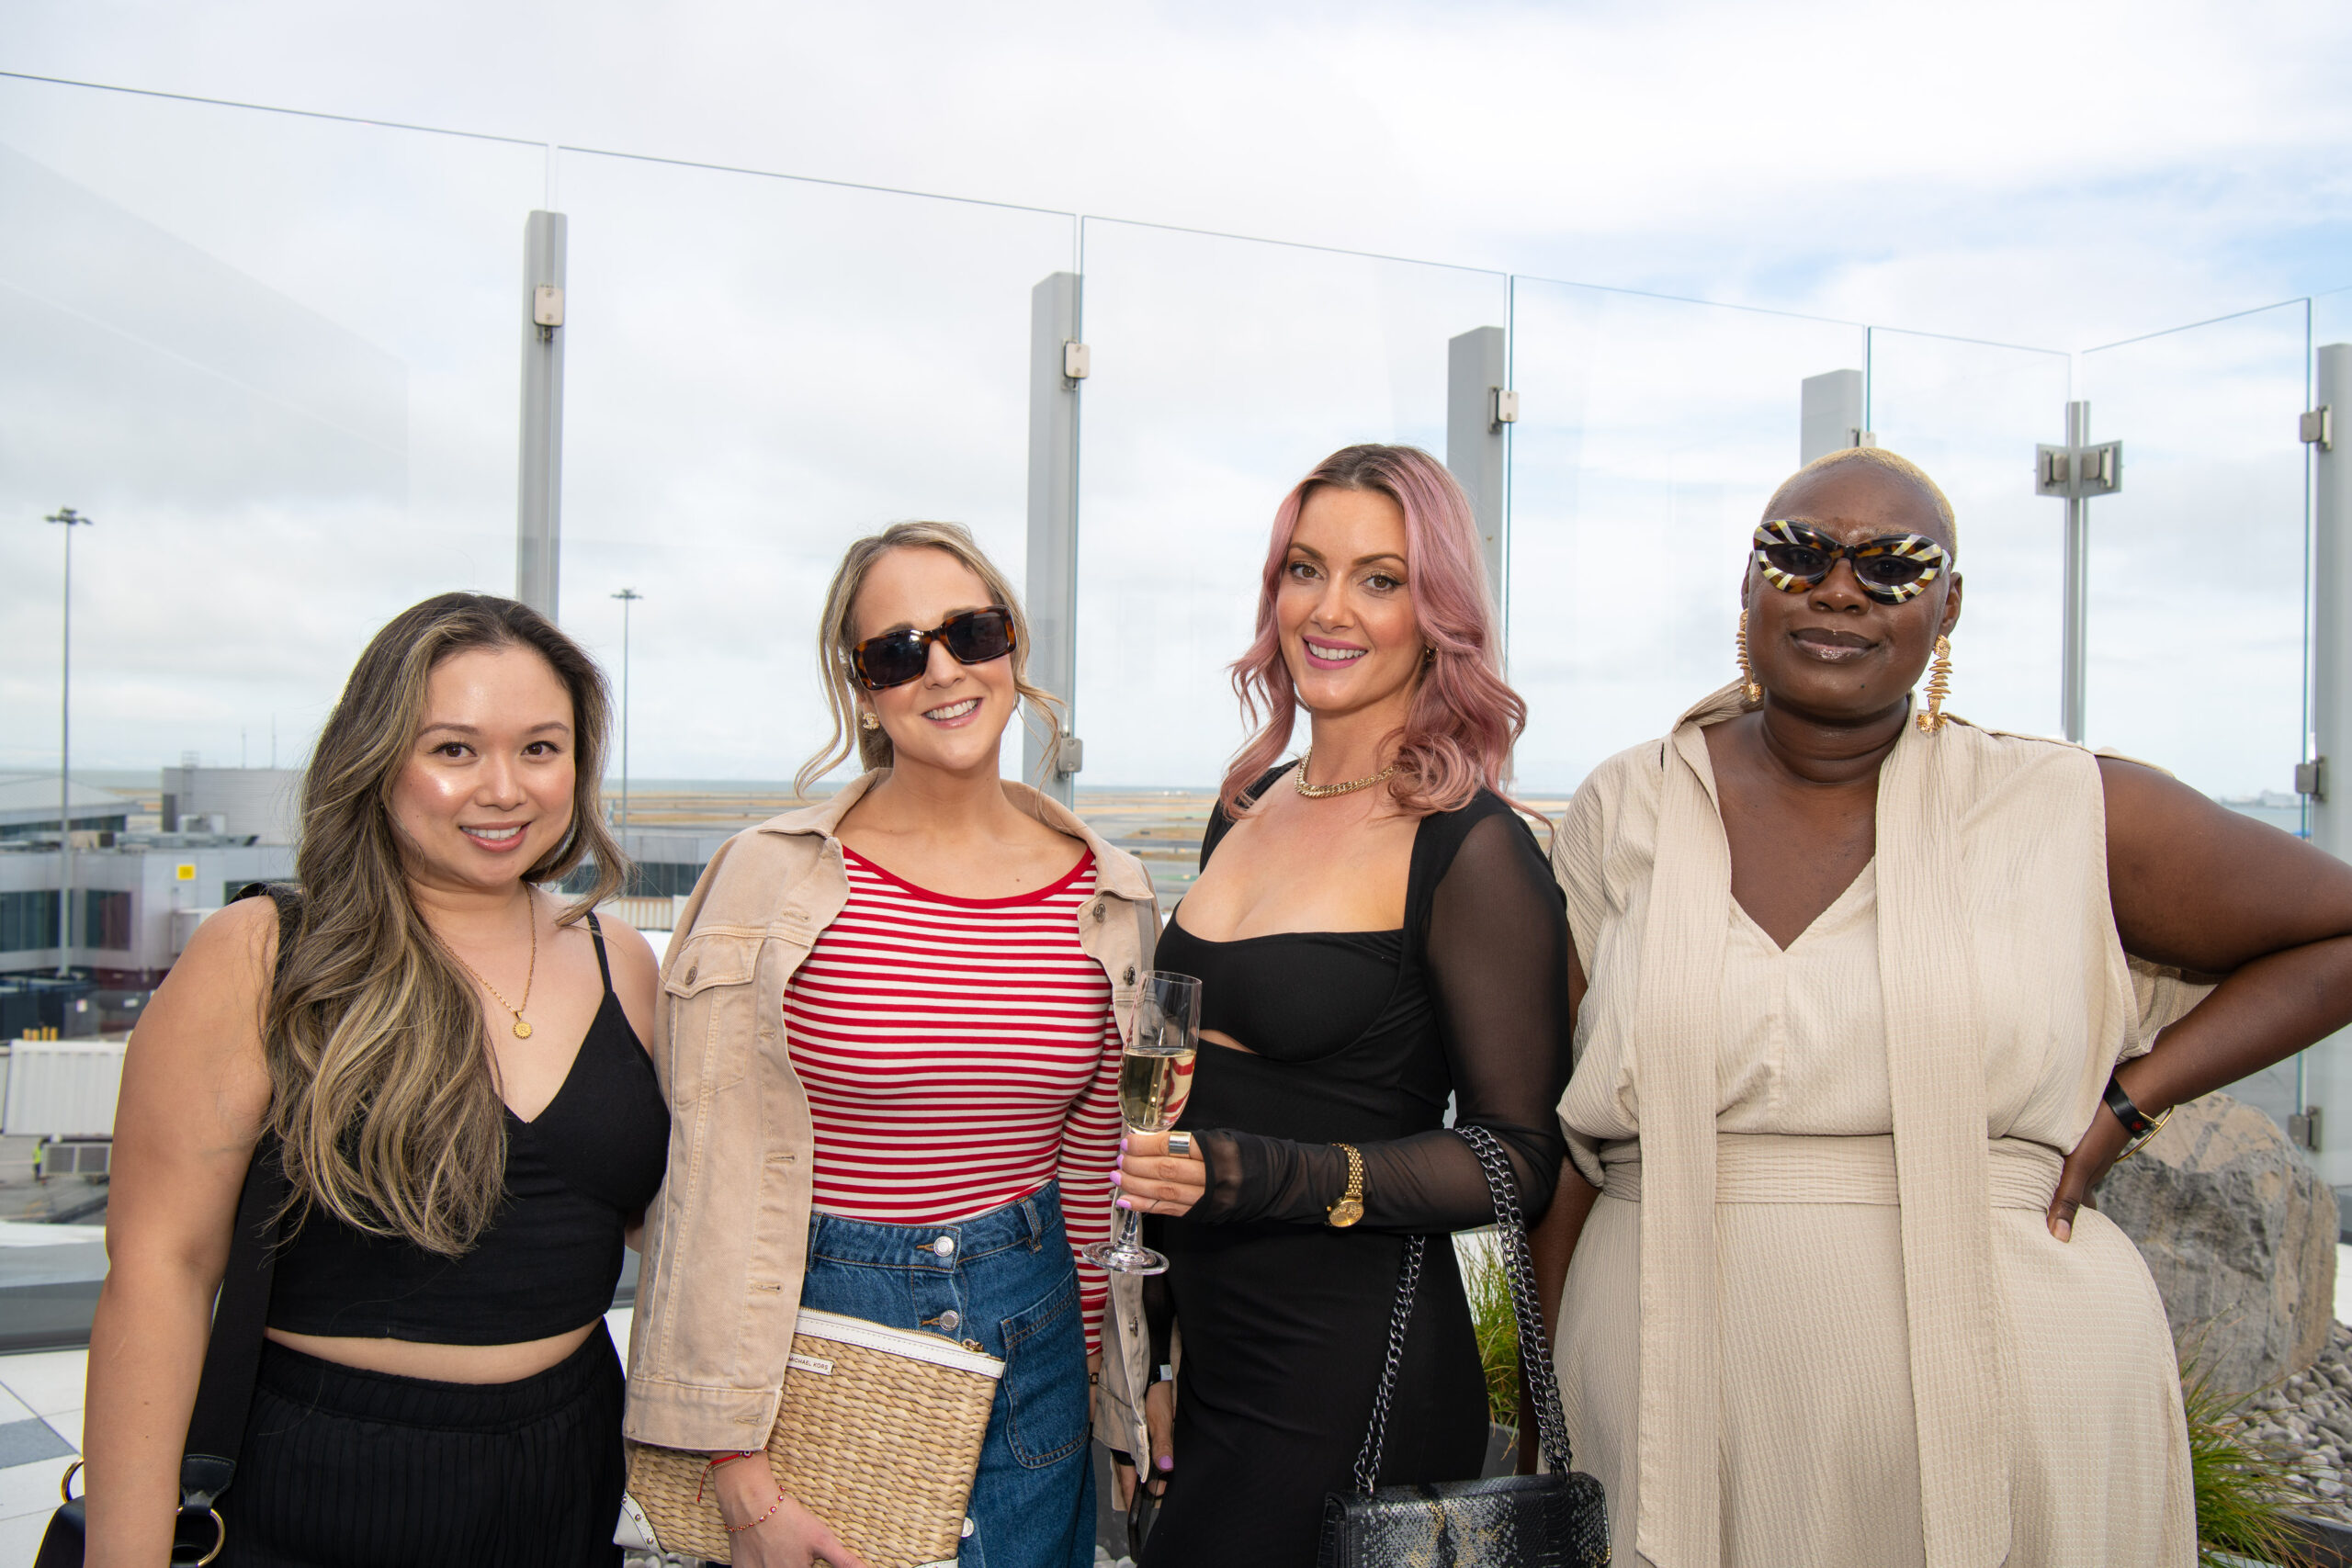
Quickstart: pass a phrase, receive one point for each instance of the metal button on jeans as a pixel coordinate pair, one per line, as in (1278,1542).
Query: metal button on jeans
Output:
(944,1247)
(951,1320)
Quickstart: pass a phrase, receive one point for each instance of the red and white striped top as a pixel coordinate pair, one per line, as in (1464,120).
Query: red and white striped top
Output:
(959,1054)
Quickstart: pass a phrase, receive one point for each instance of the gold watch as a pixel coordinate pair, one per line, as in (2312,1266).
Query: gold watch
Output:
(1349,1208)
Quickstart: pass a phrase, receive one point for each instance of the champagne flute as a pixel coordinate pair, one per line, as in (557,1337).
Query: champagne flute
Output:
(1155,1079)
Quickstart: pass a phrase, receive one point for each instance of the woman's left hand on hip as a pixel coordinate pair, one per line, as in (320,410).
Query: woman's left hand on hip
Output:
(1154,1179)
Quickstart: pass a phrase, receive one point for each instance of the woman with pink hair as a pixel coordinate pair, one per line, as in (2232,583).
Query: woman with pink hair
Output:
(1376,931)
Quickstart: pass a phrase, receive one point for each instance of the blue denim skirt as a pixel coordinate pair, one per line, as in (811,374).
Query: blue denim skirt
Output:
(1004,1282)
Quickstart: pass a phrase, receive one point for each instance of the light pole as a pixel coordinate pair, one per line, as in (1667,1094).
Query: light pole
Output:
(628,596)
(71,520)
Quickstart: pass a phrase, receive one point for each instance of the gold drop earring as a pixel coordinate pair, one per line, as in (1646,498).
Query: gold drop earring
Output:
(1749,690)
(1938,687)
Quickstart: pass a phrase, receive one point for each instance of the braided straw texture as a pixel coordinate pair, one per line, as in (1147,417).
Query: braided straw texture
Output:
(882,1448)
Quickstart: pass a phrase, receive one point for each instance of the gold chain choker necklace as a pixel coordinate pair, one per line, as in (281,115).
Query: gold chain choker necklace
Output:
(1325,792)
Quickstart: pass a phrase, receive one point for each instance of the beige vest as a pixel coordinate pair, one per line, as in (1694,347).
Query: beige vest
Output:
(1994,936)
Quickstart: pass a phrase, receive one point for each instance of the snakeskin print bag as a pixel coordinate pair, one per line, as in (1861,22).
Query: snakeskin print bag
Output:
(1555,1520)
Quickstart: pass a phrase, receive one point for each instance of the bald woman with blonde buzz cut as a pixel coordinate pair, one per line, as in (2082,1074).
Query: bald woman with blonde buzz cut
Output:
(1875,995)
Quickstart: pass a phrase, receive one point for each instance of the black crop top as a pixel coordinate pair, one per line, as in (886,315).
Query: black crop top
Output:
(576,1176)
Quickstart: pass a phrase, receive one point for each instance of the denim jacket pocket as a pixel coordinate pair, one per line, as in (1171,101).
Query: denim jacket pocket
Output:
(709,988)
(1045,1378)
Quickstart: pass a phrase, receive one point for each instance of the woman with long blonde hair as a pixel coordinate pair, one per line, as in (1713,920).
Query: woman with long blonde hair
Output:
(445,1059)
(891,1037)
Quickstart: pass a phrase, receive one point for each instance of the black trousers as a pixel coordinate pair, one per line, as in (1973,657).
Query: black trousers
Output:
(349,1469)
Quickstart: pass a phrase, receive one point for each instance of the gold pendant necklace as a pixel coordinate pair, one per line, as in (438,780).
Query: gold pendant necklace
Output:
(1325,792)
(522,1026)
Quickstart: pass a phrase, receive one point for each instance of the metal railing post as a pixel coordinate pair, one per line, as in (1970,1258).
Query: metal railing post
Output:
(1830,416)
(2074,659)
(2323,780)
(1059,361)
(2329,785)
(1479,405)
(538,520)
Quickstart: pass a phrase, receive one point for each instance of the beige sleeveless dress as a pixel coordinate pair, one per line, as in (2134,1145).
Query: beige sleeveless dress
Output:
(1815,1317)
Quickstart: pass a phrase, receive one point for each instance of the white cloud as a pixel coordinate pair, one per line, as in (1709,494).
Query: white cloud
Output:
(760,370)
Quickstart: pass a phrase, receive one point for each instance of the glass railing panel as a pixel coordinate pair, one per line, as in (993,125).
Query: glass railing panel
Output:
(2332,316)
(1970,415)
(1224,369)
(2197,584)
(760,371)
(275,358)
(2196,565)
(1651,433)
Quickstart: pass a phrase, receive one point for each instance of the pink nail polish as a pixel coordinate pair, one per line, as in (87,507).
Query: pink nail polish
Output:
(1166,1462)
(1124,1204)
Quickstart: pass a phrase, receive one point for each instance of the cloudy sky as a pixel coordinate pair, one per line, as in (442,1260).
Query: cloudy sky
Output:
(277,357)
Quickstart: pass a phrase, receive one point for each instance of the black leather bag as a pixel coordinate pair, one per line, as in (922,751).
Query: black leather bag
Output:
(224,1393)
(1556,1521)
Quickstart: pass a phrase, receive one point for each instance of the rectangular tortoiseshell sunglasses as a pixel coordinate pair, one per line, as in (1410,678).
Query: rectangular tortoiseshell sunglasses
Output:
(893,659)
(1891,568)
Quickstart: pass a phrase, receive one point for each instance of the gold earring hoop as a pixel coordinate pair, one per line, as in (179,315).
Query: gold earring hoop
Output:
(868,722)
(1938,687)
(1749,690)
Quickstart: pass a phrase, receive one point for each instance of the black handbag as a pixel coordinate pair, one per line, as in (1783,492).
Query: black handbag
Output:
(1556,1521)
(224,1393)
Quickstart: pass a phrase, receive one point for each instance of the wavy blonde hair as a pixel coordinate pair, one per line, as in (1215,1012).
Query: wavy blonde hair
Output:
(383,1094)
(837,634)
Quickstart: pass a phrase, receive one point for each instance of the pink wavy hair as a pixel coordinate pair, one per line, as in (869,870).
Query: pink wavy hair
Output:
(1463,718)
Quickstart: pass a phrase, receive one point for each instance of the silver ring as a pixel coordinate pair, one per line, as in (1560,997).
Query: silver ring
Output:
(1180,1144)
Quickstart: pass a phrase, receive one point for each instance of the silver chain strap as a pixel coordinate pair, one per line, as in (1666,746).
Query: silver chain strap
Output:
(1535,1348)
(1519,1268)
(1408,1281)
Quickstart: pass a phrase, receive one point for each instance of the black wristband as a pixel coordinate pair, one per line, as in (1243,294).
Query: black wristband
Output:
(2135,1121)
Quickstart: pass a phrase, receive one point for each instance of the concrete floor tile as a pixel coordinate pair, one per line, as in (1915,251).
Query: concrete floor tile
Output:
(30,1489)
(46,1380)
(20,1538)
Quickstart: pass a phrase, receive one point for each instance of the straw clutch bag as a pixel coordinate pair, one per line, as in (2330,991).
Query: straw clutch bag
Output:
(878,1435)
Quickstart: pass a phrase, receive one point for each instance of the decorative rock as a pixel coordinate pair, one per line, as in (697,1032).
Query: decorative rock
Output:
(2240,1235)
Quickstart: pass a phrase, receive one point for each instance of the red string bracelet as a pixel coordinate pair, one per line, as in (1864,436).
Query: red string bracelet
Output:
(714,1464)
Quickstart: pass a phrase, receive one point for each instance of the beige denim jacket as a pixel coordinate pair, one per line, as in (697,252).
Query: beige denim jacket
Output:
(726,1239)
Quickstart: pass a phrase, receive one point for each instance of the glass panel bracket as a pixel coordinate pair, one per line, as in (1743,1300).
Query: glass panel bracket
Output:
(2078,473)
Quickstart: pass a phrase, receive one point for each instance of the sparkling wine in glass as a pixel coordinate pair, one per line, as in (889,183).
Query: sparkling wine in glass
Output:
(1155,1079)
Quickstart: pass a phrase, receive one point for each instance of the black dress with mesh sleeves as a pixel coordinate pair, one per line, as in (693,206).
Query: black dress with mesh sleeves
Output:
(1362,1038)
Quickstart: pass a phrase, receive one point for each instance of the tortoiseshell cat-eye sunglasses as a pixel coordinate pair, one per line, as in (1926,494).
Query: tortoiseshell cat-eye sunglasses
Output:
(1890,568)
